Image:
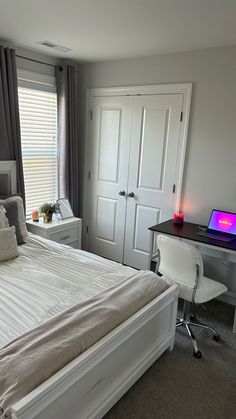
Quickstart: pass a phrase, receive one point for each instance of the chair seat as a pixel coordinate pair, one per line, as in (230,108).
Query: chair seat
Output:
(207,289)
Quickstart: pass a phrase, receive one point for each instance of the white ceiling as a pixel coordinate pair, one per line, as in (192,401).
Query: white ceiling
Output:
(98,30)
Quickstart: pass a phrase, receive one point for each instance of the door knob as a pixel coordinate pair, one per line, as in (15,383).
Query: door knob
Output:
(122,193)
(131,195)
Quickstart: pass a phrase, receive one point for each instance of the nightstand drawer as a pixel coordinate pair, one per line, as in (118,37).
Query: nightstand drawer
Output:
(74,244)
(65,237)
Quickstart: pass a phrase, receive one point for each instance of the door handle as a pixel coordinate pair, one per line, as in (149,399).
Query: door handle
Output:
(131,194)
(122,193)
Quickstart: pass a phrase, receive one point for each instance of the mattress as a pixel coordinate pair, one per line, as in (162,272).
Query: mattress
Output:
(46,279)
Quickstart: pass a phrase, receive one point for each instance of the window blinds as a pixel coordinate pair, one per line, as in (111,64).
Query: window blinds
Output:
(38,121)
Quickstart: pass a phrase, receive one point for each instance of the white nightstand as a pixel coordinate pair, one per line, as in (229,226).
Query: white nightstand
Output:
(66,231)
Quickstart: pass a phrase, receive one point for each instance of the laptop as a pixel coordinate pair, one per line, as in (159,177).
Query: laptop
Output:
(221,226)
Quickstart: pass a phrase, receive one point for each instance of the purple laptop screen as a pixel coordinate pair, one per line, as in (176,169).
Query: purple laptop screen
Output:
(223,221)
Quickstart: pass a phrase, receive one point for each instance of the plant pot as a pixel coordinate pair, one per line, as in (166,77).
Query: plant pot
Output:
(47,218)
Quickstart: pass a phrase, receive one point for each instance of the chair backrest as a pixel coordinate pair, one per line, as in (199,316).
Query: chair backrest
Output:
(178,260)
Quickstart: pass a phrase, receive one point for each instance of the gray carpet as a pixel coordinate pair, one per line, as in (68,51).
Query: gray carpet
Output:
(179,386)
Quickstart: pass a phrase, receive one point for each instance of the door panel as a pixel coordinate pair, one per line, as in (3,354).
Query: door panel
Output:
(111,128)
(109,144)
(106,219)
(144,217)
(153,137)
(153,154)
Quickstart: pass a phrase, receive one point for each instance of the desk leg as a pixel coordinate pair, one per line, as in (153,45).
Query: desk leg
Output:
(151,249)
(234,323)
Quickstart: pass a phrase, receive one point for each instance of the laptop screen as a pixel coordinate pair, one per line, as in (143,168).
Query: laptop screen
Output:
(225,222)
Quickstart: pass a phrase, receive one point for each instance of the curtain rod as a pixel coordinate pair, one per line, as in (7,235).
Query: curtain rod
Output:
(40,62)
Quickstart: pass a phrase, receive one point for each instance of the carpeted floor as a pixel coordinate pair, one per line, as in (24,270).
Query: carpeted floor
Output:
(179,386)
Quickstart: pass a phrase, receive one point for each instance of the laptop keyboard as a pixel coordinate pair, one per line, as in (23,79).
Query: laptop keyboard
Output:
(215,236)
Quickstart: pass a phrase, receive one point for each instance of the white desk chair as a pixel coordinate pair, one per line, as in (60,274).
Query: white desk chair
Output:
(182,263)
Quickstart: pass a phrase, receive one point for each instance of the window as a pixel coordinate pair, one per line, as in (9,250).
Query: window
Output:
(38,120)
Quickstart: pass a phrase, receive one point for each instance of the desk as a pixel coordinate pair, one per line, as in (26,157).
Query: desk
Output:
(210,247)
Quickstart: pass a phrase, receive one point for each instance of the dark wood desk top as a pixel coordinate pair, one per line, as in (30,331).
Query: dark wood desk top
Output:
(189,231)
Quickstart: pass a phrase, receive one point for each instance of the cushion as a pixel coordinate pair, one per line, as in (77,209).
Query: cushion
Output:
(207,290)
(16,217)
(8,245)
(4,223)
(4,196)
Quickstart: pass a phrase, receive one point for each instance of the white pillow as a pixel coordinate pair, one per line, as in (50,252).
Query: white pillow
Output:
(8,244)
(4,223)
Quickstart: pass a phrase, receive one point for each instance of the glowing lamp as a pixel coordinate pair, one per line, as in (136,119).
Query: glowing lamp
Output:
(178,217)
(35,215)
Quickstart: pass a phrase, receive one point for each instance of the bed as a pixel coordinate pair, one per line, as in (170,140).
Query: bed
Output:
(57,278)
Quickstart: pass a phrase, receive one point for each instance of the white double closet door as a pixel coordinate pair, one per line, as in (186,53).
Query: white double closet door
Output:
(134,147)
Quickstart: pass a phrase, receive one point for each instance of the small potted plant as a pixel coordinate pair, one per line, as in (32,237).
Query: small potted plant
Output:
(47,210)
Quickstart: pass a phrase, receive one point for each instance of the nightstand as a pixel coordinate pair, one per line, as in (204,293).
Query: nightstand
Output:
(66,231)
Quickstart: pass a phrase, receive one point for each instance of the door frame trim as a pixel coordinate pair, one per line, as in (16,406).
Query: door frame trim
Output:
(181,88)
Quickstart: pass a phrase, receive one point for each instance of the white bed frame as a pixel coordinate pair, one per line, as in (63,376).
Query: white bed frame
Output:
(91,384)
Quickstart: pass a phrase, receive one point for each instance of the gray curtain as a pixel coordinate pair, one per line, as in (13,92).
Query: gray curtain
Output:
(10,141)
(67,94)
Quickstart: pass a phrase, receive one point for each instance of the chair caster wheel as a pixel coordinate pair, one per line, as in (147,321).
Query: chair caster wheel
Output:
(192,317)
(216,338)
(197,354)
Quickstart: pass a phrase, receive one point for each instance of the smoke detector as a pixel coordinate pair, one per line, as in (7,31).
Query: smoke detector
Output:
(56,47)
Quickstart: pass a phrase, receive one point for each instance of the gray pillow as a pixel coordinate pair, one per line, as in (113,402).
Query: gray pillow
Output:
(8,245)
(16,216)
(4,223)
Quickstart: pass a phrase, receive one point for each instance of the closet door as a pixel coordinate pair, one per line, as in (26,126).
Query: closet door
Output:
(111,128)
(153,155)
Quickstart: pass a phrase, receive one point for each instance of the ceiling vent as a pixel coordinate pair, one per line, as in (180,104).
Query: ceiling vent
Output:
(56,47)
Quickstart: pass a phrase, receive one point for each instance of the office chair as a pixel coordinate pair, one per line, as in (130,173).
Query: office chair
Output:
(182,263)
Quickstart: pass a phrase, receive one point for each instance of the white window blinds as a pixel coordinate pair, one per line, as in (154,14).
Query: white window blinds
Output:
(38,121)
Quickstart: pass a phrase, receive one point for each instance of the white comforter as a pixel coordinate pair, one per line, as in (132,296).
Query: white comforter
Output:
(46,279)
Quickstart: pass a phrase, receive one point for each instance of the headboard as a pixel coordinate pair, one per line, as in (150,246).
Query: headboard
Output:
(7,177)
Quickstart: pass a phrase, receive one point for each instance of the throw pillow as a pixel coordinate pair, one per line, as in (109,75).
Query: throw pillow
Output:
(3,219)
(8,245)
(16,217)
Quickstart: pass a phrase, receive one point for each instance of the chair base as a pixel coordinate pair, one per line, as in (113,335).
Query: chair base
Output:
(187,321)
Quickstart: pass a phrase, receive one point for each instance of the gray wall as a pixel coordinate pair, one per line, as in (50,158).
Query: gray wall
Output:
(210,169)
